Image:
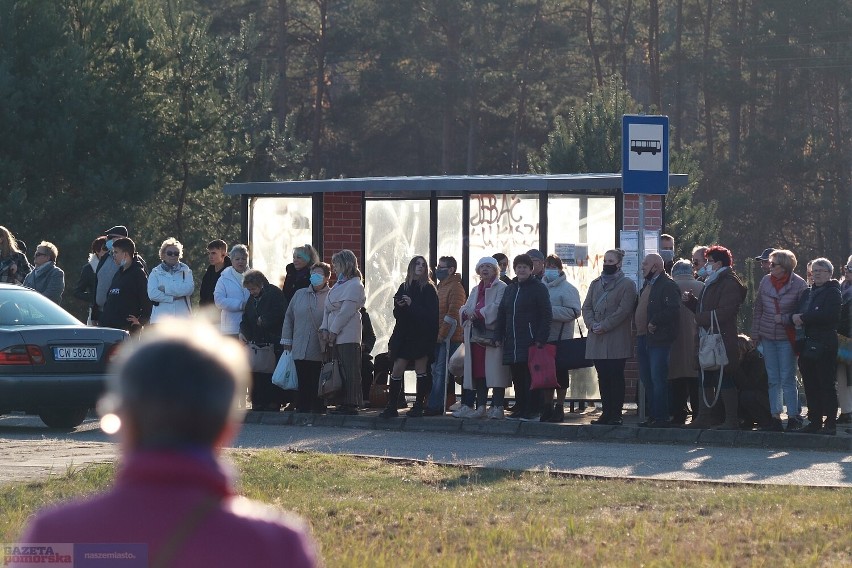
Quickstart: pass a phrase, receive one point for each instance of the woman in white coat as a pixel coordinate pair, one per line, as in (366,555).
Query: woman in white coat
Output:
(170,284)
(483,363)
(229,295)
(566,308)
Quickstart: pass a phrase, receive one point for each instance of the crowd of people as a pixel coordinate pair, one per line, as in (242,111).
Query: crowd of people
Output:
(801,327)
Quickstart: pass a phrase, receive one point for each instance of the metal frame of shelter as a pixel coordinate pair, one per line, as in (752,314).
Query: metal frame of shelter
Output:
(436,188)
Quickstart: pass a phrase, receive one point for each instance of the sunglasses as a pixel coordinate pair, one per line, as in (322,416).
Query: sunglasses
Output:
(39,253)
(172,253)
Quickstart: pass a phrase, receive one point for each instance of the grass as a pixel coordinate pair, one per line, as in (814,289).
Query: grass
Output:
(369,512)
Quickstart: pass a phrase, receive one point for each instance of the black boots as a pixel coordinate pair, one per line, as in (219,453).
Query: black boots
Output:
(424,387)
(395,388)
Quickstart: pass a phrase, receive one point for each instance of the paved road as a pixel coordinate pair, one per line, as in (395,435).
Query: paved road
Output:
(29,451)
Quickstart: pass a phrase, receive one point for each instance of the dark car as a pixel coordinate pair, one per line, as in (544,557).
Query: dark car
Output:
(50,364)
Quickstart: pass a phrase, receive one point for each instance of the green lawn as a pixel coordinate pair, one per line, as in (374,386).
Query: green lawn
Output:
(368,512)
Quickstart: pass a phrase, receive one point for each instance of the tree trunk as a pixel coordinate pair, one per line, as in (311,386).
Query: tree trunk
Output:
(280,100)
(590,34)
(319,95)
(678,88)
(654,54)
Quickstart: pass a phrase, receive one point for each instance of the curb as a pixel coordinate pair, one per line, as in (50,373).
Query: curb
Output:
(570,431)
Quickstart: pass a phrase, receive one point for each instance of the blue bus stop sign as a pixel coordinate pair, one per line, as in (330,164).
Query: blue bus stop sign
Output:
(645,154)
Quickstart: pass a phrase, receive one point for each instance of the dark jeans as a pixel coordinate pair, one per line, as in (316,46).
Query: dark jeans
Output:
(819,376)
(654,373)
(498,398)
(265,395)
(611,385)
(308,373)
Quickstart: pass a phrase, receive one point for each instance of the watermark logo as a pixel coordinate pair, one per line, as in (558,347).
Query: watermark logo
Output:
(88,555)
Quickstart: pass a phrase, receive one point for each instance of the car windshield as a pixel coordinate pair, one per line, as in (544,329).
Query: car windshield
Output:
(25,307)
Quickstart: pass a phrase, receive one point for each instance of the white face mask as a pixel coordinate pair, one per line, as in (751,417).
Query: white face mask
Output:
(708,269)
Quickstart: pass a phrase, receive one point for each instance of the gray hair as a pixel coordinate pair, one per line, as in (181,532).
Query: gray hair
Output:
(171,242)
(254,278)
(179,386)
(239,249)
(682,267)
(824,263)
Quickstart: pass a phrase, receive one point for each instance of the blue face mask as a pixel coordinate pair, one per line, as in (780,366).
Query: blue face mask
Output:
(109,245)
(316,279)
(702,272)
(551,274)
(442,273)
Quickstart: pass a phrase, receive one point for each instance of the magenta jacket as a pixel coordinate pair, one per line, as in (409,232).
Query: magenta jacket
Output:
(154,493)
(763,324)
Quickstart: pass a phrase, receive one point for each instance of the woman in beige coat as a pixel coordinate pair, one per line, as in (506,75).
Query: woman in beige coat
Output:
(607,313)
(683,371)
(483,364)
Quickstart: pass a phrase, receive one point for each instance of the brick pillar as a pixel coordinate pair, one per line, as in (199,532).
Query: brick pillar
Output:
(342,221)
(653,221)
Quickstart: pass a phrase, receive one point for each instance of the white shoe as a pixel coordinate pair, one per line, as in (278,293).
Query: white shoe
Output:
(456,406)
(496,413)
(479,412)
(464,412)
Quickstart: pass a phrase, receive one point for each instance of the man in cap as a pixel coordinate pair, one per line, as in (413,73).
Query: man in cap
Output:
(173,400)
(538,263)
(105,271)
(764,259)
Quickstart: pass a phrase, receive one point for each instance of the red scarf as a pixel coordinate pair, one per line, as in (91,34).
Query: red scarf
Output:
(779,283)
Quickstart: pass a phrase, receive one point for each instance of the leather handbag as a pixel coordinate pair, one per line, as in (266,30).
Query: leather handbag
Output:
(261,357)
(330,380)
(486,337)
(542,366)
(712,355)
(571,353)
(378,395)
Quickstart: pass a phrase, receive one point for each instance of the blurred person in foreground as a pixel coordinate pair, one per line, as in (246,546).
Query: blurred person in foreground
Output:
(844,365)
(173,399)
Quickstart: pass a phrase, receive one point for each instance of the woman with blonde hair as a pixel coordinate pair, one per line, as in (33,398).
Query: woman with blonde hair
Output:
(774,335)
(341,328)
(170,284)
(415,309)
(298,272)
(14,266)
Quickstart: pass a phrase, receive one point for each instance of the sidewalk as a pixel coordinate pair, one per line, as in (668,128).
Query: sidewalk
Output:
(576,427)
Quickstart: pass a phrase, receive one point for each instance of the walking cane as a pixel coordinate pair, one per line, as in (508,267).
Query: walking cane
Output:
(453,325)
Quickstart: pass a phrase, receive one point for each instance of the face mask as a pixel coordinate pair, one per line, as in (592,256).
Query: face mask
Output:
(610,269)
(503,273)
(109,245)
(123,262)
(442,273)
(316,279)
(668,255)
(708,269)
(651,274)
(551,274)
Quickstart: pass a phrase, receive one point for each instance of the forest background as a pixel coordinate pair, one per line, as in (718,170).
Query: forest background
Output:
(137,112)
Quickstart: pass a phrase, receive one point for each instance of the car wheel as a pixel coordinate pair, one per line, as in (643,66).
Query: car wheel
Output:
(65,418)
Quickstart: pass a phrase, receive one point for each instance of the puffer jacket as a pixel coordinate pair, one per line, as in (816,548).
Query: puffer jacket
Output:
(565,307)
(230,298)
(524,318)
(765,307)
(174,298)
(451,297)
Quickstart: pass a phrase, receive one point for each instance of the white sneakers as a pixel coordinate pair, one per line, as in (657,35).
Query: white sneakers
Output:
(456,406)
(494,413)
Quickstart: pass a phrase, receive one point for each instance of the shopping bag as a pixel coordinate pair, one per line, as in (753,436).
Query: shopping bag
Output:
(542,365)
(284,375)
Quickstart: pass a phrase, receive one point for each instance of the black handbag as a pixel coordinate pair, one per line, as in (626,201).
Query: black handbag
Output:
(813,349)
(571,353)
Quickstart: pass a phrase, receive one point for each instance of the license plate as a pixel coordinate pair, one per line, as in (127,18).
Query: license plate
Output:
(75,353)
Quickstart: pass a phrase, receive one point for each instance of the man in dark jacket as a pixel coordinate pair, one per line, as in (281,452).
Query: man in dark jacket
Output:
(657,319)
(127,304)
(217,255)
